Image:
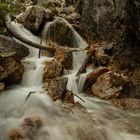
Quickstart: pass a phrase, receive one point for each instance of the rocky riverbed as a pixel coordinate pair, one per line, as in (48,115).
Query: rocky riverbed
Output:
(92,47)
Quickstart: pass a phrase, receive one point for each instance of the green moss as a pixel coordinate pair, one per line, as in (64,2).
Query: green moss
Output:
(8,8)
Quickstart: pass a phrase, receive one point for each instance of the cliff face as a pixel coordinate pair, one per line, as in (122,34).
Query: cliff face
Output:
(109,19)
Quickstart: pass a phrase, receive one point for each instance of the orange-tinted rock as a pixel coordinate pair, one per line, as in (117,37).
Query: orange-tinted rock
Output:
(15,135)
(68,97)
(65,57)
(52,69)
(129,104)
(92,77)
(109,85)
(56,88)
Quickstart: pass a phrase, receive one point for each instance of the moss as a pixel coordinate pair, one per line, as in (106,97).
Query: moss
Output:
(8,8)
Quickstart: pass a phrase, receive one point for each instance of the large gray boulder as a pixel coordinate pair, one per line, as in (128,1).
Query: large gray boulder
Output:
(11,53)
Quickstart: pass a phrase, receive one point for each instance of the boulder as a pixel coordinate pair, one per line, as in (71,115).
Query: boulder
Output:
(62,33)
(129,103)
(28,130)
(56,88)
(34,18)
(101,57)
(9,48)
(109,85)
(65,57)
(92,77)
(52,69)
(11,53)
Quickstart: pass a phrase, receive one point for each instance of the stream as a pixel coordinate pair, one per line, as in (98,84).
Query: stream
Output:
(100,120)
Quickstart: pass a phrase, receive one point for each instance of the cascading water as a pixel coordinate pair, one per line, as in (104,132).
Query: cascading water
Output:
(101,121)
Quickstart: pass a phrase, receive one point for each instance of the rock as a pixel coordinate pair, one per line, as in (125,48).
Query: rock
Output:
(28,130)
(65,57)
(2,87)
(9,47)
(118,15)
(11,53)
(49,3)
(12,70)
(56,88)
(62,33)
(92,77)
(129,104)
(101,57)
(68,97)
(134,89)
(15,135)
(109,85)
(34,18)
(52,69)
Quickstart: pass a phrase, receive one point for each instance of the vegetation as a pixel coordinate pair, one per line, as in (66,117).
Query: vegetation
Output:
(14,7)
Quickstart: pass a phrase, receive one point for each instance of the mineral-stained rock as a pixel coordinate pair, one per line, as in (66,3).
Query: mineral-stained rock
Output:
(130,104)
(52,69)
(15,135)
(28,130)
(56,88)
(11,52)
(92,77)
(109,85)
(68,97)
(65,57)
(101,57)
(34,18)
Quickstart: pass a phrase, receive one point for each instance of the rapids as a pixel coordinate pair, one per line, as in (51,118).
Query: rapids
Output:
(100,120)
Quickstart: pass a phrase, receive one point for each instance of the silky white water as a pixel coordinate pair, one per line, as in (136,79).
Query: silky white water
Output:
(100,120)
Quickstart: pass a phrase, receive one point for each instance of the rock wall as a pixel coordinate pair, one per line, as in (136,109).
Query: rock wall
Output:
(109,19)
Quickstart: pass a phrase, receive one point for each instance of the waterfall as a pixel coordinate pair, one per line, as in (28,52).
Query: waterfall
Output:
(101,121)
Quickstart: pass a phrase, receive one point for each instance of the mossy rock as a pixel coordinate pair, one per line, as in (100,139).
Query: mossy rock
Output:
(8,8)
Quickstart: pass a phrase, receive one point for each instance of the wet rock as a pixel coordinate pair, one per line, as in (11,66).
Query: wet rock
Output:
(100,56)
(52,69)
(34,18)
(56,88)
(15,135)
(2,87)
(11,53)
(29,129)
(92,77)
(129,104)
(9,47)
(12,70)
(109,85)
(62,33)
(68,97)
(65,57)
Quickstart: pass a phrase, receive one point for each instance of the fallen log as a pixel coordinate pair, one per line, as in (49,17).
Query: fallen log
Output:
(12,31)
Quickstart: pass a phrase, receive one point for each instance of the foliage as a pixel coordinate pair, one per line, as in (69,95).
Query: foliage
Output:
(14,7)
